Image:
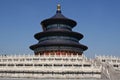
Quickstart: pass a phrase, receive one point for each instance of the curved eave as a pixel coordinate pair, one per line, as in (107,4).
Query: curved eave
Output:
(83,47)
(66,21)
(58,33)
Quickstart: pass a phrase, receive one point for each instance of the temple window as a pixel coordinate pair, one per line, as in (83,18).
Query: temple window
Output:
(58,37)
(58,26)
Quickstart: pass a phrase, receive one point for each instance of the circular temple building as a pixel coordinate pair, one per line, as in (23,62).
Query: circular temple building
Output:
(57,37)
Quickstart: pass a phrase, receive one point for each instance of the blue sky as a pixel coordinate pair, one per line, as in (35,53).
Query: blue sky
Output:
(97,20)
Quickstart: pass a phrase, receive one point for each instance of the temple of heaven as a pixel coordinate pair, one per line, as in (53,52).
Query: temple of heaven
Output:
(57,37)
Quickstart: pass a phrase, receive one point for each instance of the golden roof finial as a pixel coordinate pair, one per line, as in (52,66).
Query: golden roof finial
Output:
(58,7)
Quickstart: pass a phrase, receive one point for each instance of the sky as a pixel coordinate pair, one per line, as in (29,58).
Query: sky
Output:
(97,20)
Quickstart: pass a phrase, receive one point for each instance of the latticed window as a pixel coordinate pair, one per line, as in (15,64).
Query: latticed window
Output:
(59,26)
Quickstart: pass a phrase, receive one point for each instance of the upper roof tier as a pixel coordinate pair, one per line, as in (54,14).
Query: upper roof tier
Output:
(58,18)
